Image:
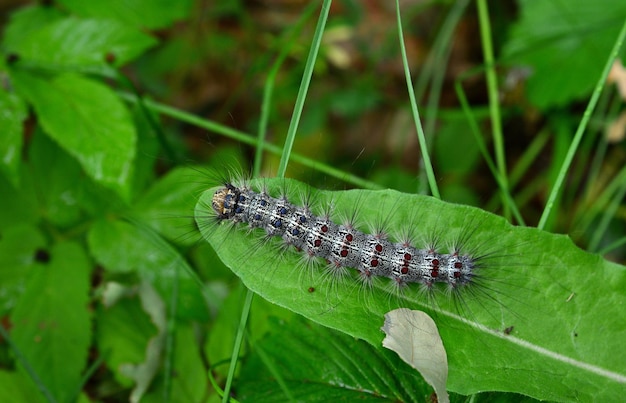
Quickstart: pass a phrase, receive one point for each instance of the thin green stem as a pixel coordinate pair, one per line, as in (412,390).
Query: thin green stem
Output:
(492,90)
(268,88)
(241,331)
(581,129)
(416,117)
(304,87)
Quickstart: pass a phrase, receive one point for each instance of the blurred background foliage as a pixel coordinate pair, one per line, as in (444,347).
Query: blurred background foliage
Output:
(71,71)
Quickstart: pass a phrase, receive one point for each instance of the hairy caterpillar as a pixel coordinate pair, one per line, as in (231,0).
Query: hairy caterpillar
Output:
(522,283)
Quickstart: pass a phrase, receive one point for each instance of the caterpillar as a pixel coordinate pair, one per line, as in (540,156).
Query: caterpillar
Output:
(513,291)
(342,245)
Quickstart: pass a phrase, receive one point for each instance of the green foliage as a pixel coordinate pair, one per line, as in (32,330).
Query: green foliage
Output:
(109,293)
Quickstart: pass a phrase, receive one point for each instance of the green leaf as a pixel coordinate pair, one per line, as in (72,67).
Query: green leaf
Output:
(124,247)
(563,43)
(318,364)
(13,112)
(18,247)
(140,13)
(75,43)
(88,120)
(51,323)
(565,305)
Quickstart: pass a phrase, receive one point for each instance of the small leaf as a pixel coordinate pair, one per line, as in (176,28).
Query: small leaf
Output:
(88,120)
(51,325)
(414,337)
(82,43)
(13,112)
(140,13)
(565,304)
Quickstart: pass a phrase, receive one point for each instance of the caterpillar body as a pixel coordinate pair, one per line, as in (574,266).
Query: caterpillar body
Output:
(342,245)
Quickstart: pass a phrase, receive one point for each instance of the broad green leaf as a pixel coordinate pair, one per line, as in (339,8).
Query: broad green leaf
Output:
(140,13)
(13,112)
(314,363)
(75,43)
(18,258)
(123,247)
(565,305)
(89,121)
(565,45)
(51,325)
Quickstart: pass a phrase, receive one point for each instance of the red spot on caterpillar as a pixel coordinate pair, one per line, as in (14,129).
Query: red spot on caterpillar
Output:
(379,248)
(349,237)
(407,256)
(324,228)
(344,253)
(435,262)
(404,270)
(434,272)
(374,262)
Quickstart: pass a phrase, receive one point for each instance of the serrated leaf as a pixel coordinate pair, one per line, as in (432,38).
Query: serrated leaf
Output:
(573,38)
(51,323)
(140,13)
(76,43)
(88,120)
(123,247)
(540,283)
(313,363)
(13,112)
